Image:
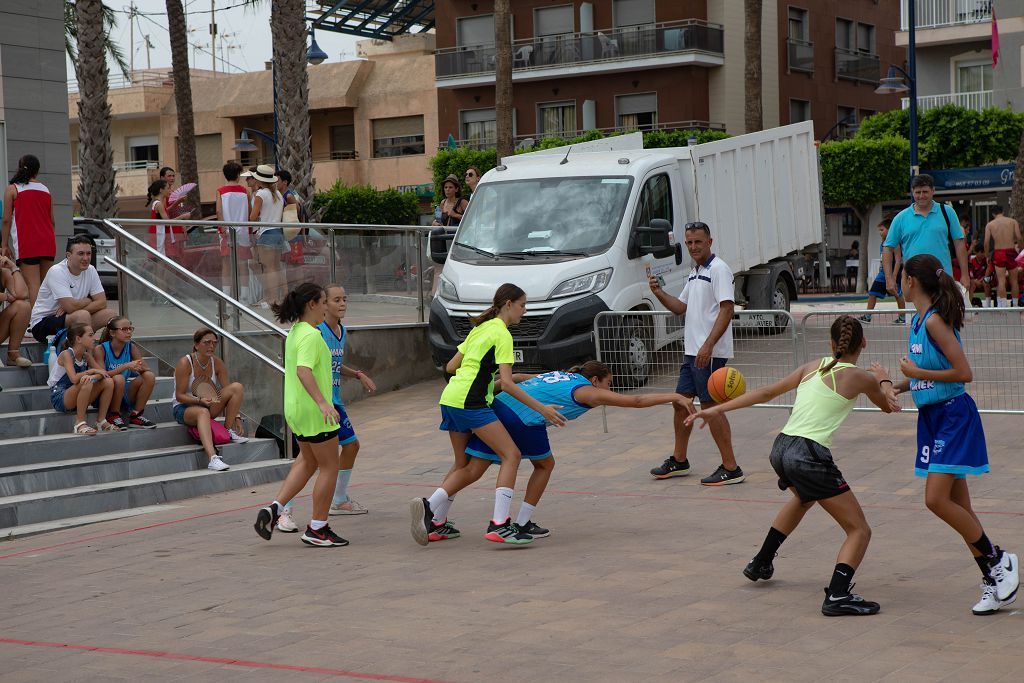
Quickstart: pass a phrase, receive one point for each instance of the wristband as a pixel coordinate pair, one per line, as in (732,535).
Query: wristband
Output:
(884,380)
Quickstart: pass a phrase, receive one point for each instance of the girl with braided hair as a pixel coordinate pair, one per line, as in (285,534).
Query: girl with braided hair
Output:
(826,391)
(950,438)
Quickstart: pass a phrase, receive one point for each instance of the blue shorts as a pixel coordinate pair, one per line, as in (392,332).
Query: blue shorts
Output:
(465,419)
(693,381)
(179,413)
(950,439)
(57,398)
(532,441)
(273,237)
(345,432)
(878,286)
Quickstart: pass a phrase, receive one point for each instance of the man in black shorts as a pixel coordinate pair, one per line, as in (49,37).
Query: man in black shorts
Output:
(70,293)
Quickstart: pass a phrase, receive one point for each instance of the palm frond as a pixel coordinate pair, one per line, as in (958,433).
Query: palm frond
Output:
(114,52)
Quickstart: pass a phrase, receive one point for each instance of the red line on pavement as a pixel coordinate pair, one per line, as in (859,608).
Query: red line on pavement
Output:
(227,661)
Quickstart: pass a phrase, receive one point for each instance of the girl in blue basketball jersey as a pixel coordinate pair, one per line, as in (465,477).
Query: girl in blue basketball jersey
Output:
(950,438)
(575,391)
(334,335)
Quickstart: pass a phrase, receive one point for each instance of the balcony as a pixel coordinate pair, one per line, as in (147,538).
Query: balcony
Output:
(132,177)
(981,99)
(857,66)
(801,55)
(488,143)
(690,42)
(940,13)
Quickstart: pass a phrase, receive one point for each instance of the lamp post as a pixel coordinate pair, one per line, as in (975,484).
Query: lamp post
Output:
(893,84)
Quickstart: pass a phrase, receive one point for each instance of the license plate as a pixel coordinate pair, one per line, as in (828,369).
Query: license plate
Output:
(517,355)
(314,260)
(755,320)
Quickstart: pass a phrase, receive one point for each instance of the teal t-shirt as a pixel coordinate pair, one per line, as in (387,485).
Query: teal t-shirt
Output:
(916,234)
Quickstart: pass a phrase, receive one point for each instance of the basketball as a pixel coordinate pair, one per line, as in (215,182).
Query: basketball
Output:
(726,383)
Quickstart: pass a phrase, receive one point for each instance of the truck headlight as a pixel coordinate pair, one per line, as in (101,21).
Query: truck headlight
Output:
(591,282)
(447,290)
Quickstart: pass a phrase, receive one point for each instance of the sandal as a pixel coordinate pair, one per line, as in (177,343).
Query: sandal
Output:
(83,429)
(18,361)
(107,427)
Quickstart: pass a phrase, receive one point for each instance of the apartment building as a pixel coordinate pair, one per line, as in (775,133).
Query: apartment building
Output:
(659,64)
(373,121)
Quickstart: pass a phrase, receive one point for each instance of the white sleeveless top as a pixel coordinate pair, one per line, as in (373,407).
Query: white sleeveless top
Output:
(192,379)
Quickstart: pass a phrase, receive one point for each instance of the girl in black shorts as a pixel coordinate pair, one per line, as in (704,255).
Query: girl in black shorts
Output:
(825,393)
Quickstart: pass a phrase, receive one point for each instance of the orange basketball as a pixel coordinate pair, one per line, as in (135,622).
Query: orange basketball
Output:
(726,383)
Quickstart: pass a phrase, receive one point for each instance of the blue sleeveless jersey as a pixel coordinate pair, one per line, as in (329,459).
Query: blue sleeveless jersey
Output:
(111,361)
(928,356)
(336,345)
(550,388)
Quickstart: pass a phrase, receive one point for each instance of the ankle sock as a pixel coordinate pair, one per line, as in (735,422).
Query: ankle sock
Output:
(437,498)
(316,524)
(770,546)
(985,547)
(341,488)
(441,511)
(502,504)
(842,577)
(525,513)
(983,566)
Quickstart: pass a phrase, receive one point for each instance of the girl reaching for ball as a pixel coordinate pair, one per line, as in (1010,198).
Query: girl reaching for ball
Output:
(825,393)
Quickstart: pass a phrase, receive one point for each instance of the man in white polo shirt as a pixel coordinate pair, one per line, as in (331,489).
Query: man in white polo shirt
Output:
(707,303)
(70,293)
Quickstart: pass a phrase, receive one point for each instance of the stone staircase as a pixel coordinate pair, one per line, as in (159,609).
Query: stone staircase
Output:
(51,478)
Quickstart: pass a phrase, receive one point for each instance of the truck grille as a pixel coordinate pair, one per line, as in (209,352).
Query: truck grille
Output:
(530,327)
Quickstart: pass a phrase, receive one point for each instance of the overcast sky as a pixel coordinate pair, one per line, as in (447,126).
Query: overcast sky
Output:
(246,47)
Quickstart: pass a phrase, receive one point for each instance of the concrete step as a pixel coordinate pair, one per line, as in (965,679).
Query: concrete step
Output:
(30,349)
(35,508)
(36,423)
(36,375)
(72,522)
(22,452)
(70,473)
(38,397)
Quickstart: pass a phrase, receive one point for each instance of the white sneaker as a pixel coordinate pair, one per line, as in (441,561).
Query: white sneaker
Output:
(237,438)
(989,603)
(217,464)
(286,523)
(349,507)
(1005,575)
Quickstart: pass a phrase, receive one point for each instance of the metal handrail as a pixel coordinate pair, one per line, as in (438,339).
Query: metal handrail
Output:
(213,326)
(242,308)
(321,227)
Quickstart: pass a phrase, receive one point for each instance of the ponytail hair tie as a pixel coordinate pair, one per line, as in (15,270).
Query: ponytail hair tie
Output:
(939,272)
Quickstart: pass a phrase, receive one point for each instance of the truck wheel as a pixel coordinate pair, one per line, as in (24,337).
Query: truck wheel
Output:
(631,361)
(780,302)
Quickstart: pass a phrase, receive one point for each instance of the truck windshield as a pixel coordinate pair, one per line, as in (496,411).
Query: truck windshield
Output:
(543,218)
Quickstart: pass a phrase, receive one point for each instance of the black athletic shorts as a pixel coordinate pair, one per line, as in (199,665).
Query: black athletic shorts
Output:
(318,438)
(51,324)
(807,466)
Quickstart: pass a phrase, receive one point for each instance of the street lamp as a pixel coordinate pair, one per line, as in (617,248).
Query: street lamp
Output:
(893,84)
(314,55)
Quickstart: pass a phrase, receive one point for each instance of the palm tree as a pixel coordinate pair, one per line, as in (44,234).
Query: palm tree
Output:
(1017,193)
(288,32)
(186,148)
(112,49)
(754,116)
(96,189)
(503,76)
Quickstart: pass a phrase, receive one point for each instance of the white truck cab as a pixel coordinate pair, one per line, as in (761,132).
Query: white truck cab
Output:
(577,228)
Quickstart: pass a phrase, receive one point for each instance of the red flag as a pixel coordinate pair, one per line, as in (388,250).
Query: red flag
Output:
(995,39)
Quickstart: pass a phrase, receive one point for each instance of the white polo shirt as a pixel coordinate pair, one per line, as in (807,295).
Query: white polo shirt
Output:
(59,284)
(706,288)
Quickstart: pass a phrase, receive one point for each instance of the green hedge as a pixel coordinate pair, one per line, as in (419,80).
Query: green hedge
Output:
(365,205)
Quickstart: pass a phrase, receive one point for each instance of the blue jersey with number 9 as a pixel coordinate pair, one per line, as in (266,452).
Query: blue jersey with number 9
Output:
(551,388)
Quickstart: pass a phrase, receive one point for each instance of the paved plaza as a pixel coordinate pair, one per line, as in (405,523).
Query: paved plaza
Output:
(640,580)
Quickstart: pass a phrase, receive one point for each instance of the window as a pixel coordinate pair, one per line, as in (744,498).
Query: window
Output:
(142,149)
(637,112)
(798,26)
(478,127)
(474,31)
(343,142)
(209,155)
(632,12)
(655,201)
(844,34)
(866,39)
(846,122)
(553,21)
(398,137)
(556,118)
(799,110)
(974,77)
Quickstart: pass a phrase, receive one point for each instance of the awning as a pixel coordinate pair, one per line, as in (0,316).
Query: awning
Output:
(976,179)
(381,19)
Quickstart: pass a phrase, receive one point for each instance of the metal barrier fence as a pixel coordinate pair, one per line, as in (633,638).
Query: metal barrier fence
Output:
(768,345)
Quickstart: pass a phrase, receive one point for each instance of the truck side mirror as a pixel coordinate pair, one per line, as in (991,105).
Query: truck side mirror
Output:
(440,243)
(653,240)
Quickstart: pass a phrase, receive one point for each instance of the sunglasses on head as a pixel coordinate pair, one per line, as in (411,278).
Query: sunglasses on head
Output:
(696,226)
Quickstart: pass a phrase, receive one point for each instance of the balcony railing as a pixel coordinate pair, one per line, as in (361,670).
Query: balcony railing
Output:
(937,13)
(801,55)
(981,99)
(129,166)
(487,143)
(857,66)
(630,42)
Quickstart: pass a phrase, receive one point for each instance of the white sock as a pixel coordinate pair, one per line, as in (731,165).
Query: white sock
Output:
(986,303)
(1004,303)
(437,498)
(502,504)
(525,512)
(316,524)
(441,511)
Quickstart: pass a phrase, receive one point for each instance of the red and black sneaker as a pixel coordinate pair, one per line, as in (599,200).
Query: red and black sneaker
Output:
(139,421)
(266,520)
(442,532)
(322,537)
(117,421)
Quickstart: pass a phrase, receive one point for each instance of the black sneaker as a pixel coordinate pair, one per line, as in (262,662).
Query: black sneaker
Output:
(509,532)
(534,530)
(671,468)
(266,520)
(422,520)
(722,476)
(322,537)
(850,604)
(756,570)
(442,532)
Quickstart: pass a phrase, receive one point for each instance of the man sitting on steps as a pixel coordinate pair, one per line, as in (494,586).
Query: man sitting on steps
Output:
(70,293)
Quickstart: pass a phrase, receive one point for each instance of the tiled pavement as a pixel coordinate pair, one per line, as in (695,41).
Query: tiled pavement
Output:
(639,581)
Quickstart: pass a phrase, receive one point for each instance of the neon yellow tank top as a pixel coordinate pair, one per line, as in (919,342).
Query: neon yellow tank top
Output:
(819,409)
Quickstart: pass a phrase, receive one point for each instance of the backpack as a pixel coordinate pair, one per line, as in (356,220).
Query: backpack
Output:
(53,350)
